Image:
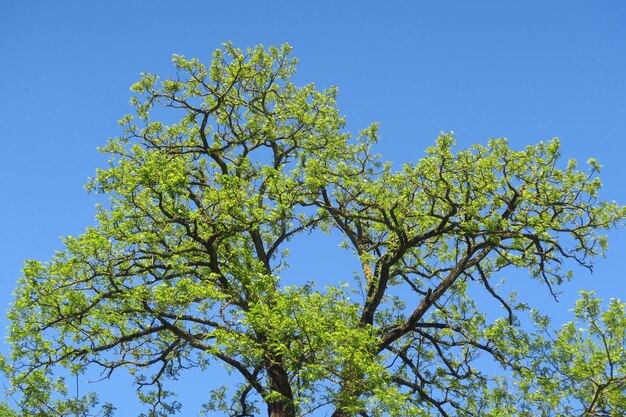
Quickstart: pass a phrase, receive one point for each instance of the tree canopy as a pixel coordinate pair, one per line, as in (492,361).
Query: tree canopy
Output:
(183,267)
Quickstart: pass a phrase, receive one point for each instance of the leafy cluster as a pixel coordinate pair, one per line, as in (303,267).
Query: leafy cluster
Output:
(182,269)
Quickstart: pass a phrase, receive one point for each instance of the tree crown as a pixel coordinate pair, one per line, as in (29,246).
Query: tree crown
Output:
(183,266)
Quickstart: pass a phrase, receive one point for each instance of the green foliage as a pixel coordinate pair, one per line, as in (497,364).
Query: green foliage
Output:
(182,269)
(585,361)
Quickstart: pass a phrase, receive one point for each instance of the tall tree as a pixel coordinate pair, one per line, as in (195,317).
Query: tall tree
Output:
(183,267)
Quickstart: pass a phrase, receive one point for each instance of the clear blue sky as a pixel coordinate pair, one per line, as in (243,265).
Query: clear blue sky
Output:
(526,70)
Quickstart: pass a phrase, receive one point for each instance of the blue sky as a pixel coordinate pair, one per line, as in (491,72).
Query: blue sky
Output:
(528,71)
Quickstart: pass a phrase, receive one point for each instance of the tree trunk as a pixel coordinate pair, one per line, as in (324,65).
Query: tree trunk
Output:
(279,382)
(281,409)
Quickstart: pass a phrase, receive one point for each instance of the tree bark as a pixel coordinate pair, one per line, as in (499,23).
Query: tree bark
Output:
(281,410)
(279,382)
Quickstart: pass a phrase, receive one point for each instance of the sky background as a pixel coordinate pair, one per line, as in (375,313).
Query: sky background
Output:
(528,71)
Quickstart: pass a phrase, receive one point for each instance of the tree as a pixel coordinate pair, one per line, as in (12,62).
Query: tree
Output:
(183,266)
